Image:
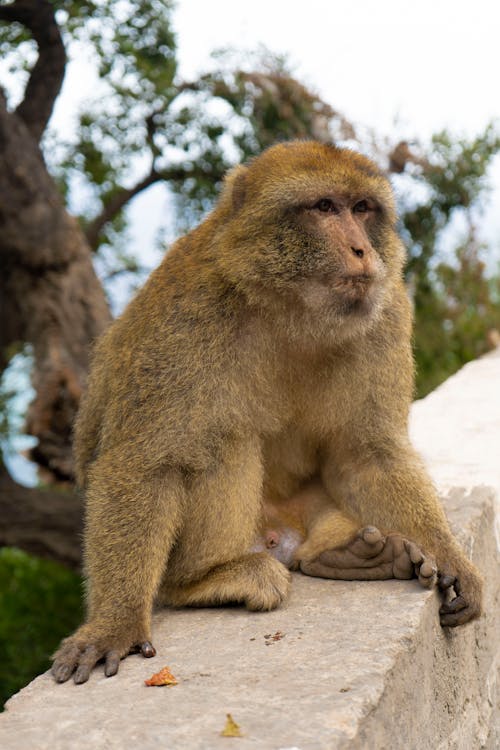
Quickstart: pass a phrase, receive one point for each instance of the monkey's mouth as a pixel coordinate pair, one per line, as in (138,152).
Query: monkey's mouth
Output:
(356,294)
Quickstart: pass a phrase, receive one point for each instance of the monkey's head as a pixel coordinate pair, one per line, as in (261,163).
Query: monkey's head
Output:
(313,225)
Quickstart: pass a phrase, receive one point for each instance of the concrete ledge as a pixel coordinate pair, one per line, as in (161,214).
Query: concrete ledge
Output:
(359,665)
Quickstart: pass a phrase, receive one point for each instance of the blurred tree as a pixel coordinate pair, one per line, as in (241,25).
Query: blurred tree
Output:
(456,296)
(146,126)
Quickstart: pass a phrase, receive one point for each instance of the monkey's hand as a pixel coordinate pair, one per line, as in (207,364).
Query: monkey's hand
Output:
(462,587)
(372,556)
(80,652)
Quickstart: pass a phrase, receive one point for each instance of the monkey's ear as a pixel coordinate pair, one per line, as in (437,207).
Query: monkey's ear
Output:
(235,186)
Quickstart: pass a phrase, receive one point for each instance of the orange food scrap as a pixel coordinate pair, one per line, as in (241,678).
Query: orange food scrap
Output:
(163,677)
(232,729)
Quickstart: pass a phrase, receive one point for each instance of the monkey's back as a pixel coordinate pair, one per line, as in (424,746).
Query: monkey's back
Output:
(164,377)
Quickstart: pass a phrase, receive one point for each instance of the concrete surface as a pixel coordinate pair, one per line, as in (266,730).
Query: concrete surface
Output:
(354,665)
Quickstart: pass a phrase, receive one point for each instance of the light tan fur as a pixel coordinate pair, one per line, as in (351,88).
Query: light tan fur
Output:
(263,353)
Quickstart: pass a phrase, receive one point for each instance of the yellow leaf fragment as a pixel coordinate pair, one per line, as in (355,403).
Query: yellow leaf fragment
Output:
(163,677)
(232,729)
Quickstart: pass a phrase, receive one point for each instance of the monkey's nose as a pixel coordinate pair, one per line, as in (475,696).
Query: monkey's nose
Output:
(357,251)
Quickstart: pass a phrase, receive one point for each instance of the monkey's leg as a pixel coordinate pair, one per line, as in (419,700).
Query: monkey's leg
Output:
(257,580)
(131,523)
(212,561)
(394,492)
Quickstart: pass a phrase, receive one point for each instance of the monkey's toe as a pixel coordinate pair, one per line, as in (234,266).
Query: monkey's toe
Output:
(367,544)
(80,653)
(427,574)
(371,535)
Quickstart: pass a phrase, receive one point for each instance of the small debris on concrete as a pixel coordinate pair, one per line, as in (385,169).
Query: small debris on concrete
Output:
(161,678)
(231,729)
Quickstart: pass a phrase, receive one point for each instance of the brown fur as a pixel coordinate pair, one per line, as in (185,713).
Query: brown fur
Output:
(263,352)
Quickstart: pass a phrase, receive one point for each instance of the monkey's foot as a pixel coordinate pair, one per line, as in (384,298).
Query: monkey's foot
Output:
(80,653)
(257,580)
(372,556)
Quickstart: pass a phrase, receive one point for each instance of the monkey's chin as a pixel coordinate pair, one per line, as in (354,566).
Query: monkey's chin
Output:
(364,306)
(326,298)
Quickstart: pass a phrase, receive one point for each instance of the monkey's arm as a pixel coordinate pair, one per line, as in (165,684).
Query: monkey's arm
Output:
(132,519)
(383,483)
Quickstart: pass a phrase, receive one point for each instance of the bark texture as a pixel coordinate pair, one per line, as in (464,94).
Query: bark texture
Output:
(50,298)
(45,522)
(50,295)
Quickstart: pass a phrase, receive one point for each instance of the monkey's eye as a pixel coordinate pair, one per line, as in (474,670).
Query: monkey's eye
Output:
(325,205)
(361,207)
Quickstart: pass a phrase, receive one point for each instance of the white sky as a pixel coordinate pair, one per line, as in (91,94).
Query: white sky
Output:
(433,63)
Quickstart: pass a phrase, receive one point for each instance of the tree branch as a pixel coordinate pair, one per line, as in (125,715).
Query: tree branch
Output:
(123,195)
(47,523)
(47,74)
(115,205)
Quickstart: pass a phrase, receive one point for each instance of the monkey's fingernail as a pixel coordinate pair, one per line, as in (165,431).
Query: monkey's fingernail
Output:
(446,581)
(148,650)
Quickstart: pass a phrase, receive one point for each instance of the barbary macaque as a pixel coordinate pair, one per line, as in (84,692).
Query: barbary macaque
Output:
(253,399)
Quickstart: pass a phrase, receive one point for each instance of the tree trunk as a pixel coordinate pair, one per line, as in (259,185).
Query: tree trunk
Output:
(47,523)
(50,298)
(49,294)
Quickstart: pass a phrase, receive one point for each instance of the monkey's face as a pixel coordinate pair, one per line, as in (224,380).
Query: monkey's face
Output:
(314,225)
(334,263)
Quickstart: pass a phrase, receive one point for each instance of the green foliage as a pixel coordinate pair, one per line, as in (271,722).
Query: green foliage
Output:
(32,591)
(456,295)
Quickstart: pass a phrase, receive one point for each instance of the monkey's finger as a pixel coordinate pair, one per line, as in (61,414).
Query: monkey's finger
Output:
(461,616)
(88,660)
(112,663)
(446,581)
(65,661)
(147,649)
(456,605)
